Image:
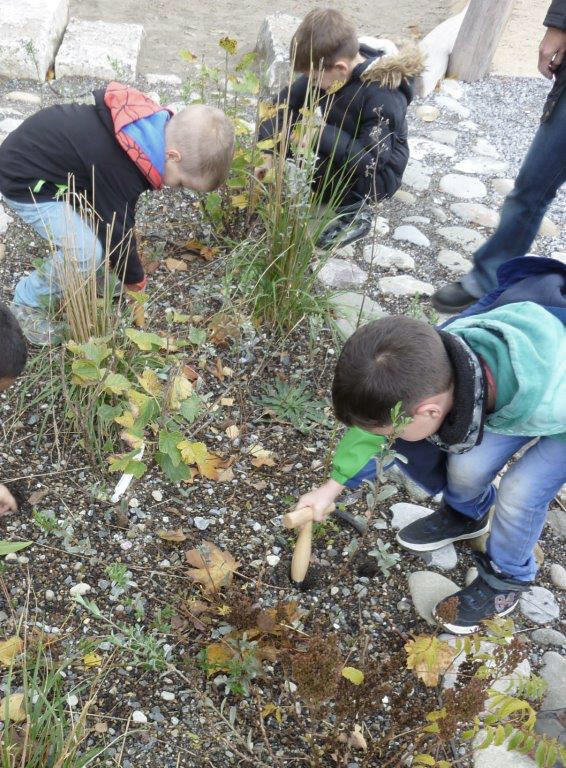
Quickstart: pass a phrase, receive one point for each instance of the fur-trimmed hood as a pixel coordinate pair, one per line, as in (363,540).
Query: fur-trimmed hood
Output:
(390,69)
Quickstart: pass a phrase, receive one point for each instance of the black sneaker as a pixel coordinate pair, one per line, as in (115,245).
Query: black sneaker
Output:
(441,528)
(451,298)
(463,612)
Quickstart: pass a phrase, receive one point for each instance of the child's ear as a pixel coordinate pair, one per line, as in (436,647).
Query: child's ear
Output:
(341,68)
(426,408)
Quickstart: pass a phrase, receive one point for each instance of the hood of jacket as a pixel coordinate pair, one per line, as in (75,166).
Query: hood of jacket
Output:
(391,67)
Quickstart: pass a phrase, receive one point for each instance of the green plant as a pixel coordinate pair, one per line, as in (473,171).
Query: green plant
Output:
(293,405)
(385,558)
(118,574)
(324,530)
(45,520)
(419,312)
(241,666)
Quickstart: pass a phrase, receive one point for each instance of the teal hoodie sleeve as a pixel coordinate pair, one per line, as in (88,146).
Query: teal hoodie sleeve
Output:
(356,448)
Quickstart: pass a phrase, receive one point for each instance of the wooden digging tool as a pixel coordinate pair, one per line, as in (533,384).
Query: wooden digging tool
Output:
(302,519)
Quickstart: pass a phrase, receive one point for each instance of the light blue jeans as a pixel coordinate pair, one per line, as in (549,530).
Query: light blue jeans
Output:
(521,501)
(63,228)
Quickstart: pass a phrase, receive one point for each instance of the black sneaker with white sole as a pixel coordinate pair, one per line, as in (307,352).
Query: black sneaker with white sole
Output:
(441,528)
(490,595)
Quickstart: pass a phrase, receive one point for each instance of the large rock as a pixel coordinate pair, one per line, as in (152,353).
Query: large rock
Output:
(539,605)
(445,558)
(548,636)
(427,590)
(272,46)
(558,575)
(503,186)
(404,514)
(445,136)
(339,273)
(30,33)
(384,256)
(9,124)
(421,148)
(485,148)
(454,261)
(476,213)
(410,234)
(554,672)
(462,186)
(481,165)
(99,49)
(452,105)
(404,196)
(404,285)
(417,176)
(352,310)
(437,47)
(468,239)
(548,228)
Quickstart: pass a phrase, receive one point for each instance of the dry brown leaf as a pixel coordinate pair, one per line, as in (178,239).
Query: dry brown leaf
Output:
(232,432)
(211,567)
(16,708)
(261,457)
(190,373)
(225,475)
(219,369)
(429,657)
(37,496)
(218,656)
(174,536)
(357,740)
(9,649)
(175,265)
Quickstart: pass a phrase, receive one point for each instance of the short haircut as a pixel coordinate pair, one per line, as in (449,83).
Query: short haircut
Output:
(395,359)
(323,37)
(204,136)
(13,347)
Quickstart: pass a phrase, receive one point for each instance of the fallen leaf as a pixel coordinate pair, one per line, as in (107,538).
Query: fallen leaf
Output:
(92,660)
(174,536)
(16,708)
(354,675)
(190,373)
(429,657)
(272,709)
(175,265)
(219,369)
(260,486)
(101,727)
(37,496)
(9,649)
(261,457)
(357,740)
(197,453)
(227,401)
(218,656)
(227,371)
(232,432)
(211,567)
(225,475)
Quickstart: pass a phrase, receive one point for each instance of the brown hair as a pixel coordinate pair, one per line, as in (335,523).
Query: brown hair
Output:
(323,37)
(390,360)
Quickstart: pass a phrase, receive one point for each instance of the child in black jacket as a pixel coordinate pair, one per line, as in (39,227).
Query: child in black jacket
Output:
(364,93)
(114,149)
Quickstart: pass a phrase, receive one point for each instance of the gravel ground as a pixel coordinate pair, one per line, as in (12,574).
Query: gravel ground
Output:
(371,615)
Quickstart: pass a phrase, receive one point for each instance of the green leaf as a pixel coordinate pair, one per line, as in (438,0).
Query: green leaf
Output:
(175,473)
(487,742)
(197,336)
(499,736)
(127,464)
(540,754)
(515,740)
(168,442)
(424,760)
(354,675)
(107,413)
(144,340)
(190,408)
(87,370)
(7,547)
(116,383)
(552,755)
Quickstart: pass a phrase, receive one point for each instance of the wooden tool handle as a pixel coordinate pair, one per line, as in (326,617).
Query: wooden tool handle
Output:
(302,553)
(301,516)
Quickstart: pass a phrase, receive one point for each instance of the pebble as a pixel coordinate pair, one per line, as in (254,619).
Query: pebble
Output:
(387,257)
(133,502)
(445,136)
(334,591)
(439,213)
(471,575)
(462,186)
(417,176)
(157,495)
(421,148)
(126,545)
(404,285)
(503,186)
(11,557)
(539,605)
(427,590)
(411,234)
(453,106)
(445,558)
(167,696)
(476,213)
(138,716)
(558,575)
(72,700)
(49,595)
(80,589)
(256,527)
(201,523)
(469,239)
(481,165)
(549,636)
(548,228)
(428,113)
(468,125)
(380,226)
(485,148)
(273,560)
(23,96)
(339,273)
(454,261)
(403,196)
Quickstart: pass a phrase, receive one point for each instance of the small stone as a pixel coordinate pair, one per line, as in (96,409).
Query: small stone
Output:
(485,148)
(503,186)
(403,196)
(548,228)
(11,557)
(126,545)
(549,636)
(428,113)
(481,165)
(471,575)
(138,716)
(256,527)
(439,214)
(445,558)
(404,285)
(72,700)
(558,575)
(273,559)
(454,261)
(201,523)
(417,176)
(334,591)
(554,672)
(23,96)
(469,239)
(476,213)
(462,186)
(380,226)
(453,106)
(445,136)
(421,148)
(167,696)
(133,503)
(556,519)
(427,590)
(49,595)
(338,273)
(351,309)
(157,495)
(411,234)
(80,589)
(539,605)
(387,257)
(404,514)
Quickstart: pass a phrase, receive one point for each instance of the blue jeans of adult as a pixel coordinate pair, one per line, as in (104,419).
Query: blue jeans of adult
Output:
(521,501)
(57,222)
(541,175)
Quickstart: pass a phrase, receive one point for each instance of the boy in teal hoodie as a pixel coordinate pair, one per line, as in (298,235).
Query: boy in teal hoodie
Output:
(480,391)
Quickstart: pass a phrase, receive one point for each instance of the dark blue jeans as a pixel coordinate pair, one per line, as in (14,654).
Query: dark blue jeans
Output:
(541,175)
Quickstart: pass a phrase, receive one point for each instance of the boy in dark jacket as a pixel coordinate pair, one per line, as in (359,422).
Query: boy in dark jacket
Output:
(114,149)
(363,97)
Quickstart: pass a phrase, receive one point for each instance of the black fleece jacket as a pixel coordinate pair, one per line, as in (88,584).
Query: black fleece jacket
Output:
(77,139)
(365,130)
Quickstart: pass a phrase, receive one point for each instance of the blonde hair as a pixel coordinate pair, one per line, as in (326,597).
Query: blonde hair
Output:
(323,37)
(204,137)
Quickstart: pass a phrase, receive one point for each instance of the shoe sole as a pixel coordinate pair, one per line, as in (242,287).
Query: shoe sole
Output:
(444,542)
(450,309)
(457,630)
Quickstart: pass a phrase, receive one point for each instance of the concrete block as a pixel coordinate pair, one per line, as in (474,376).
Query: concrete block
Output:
(99,49)
(273,42)
(30,33)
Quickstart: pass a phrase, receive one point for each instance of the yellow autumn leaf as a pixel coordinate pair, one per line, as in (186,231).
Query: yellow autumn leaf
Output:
(267,110)
(92,660)
(261,457)
(180,389)
(271,709)
(354,675)
(429,657)
(240,201)
(150,382)
(197,453)
(211,567)
(218,656)
(127,419)
(16,708)
(9,649)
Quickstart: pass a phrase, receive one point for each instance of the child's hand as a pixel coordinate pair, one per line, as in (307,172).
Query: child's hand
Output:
(320,499)
(7,502)
(261,171)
